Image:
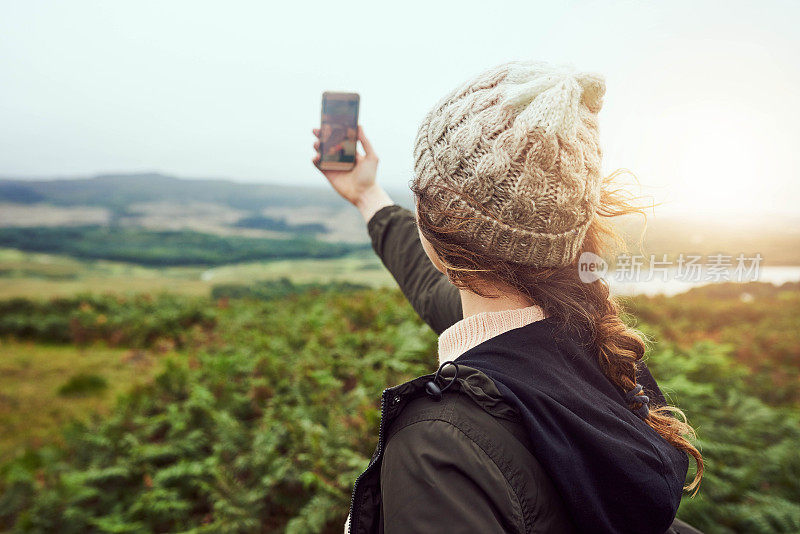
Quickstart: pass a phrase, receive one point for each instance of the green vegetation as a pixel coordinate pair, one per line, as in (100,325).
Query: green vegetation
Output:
(136,321)
(279,225)
(750,448)
(148,247)
(83,384)
(272,289)
(755,320)
(271,409)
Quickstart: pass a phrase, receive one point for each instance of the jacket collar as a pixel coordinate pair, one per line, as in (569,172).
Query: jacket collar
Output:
(475,329)
(472,382)
(467,380)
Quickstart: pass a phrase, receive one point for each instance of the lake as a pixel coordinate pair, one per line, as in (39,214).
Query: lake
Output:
(668,283)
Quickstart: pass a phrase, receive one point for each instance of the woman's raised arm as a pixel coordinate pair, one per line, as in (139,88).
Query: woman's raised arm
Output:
(393,231)
(396,241)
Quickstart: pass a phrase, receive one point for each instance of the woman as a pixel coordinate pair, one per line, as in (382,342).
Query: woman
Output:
(541,416)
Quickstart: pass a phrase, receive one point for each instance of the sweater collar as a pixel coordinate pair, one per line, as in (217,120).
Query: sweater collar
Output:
(475,329)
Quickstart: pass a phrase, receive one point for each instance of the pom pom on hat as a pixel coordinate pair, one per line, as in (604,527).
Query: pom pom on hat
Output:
(550,96)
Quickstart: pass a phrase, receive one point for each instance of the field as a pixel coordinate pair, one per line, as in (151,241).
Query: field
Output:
(37,399)
(255,413)
(28,274)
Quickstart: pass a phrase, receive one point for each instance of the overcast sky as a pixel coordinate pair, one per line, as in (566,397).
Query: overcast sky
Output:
(701,98)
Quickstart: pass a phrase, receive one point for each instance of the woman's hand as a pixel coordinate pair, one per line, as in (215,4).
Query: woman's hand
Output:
(358,185)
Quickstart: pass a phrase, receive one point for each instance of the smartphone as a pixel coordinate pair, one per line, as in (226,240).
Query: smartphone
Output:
(338,131)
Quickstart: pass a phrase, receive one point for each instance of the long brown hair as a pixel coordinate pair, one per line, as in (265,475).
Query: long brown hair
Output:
(561,293)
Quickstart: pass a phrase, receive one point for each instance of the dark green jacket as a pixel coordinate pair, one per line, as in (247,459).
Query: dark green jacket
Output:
(459,464)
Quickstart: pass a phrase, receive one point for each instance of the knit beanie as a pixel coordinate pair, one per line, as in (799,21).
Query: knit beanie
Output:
(516,151)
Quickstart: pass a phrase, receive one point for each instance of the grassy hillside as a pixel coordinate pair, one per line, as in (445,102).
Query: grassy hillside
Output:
(268,408)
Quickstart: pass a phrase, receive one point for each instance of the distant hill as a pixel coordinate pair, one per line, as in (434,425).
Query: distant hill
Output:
(162,202)
(118,191)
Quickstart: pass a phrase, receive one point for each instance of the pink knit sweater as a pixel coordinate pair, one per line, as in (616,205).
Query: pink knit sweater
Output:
(475,329)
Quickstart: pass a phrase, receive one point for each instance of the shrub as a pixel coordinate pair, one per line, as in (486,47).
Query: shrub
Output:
(83,384)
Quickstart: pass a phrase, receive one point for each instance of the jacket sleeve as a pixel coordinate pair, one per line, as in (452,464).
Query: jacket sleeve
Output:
(395,239)
(393,231)
(436,479)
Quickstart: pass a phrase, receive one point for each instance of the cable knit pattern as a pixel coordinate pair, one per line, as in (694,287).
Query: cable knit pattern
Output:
(475,329)
(516,151)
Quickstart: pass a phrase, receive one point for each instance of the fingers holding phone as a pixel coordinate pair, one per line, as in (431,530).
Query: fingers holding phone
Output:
(369,152)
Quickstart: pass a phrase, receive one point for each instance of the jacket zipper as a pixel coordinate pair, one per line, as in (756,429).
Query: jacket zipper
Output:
(378,452)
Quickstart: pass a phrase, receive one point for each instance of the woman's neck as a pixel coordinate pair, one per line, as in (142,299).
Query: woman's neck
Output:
(472,303)
(484,318)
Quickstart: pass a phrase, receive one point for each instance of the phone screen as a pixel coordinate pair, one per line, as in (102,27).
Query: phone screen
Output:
(339,129)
